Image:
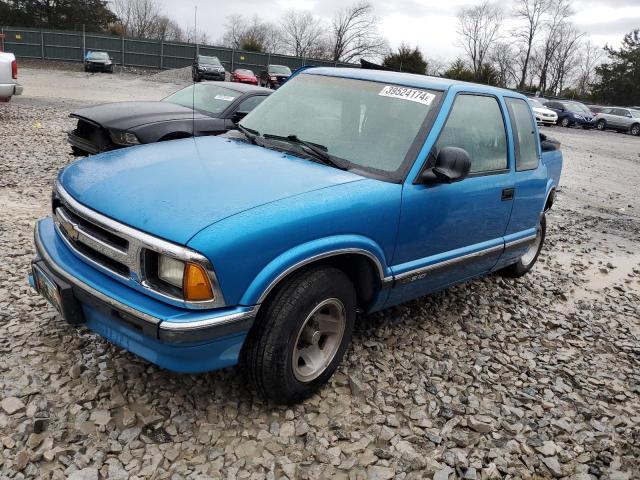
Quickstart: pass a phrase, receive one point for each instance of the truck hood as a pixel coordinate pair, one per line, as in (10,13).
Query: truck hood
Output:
(175,189)
(126,115)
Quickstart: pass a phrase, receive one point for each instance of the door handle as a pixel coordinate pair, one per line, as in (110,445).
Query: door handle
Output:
(508,194)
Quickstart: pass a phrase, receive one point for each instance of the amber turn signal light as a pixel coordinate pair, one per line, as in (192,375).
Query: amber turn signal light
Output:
(196,285)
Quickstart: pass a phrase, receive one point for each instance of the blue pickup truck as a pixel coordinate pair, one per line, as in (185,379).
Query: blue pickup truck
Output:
(345,191)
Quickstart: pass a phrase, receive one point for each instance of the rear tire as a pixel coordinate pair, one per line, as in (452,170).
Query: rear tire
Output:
(526,262)
(635,129)
(601,125)
(300,338)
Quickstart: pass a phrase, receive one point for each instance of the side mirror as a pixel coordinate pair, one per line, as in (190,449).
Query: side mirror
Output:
(452,165)
(237,116)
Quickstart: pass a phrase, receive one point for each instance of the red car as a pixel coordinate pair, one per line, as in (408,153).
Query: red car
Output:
(242,75)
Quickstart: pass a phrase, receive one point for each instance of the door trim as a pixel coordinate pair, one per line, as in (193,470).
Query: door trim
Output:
(420,273)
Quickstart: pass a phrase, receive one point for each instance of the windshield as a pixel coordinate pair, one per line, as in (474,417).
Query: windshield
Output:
(204,97)
(635,113)
(99,56)
(279,70)
(371,125)
(245,72)
(209,60)
(576,107)
(535,103)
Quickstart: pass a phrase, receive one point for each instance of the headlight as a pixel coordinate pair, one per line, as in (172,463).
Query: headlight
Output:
(273,78)
(123,138)
(190,277)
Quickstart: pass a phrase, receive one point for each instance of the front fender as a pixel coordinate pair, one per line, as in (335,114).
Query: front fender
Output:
(307,253)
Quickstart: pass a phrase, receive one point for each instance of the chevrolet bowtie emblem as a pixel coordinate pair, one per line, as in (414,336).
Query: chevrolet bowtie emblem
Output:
(70,230)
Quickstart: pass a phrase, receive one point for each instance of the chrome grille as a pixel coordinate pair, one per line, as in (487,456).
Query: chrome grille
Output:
(120,250)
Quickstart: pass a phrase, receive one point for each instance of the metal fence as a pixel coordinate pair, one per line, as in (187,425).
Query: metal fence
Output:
(134,52)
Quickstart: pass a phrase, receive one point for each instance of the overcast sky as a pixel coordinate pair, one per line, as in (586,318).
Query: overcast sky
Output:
(429,24)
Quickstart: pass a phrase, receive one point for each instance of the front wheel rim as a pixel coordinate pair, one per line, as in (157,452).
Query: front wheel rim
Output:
(635,130)
(530,254)
(318,340)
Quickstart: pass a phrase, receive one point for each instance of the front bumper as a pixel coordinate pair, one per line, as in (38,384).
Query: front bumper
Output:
(10,89)
(584,122)
(99,67)
(211,75)
(82,144)
(175,338)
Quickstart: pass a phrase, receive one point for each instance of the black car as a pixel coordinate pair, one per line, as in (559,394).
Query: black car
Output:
(199,109)
(98,62)
(274,76)
(207,68)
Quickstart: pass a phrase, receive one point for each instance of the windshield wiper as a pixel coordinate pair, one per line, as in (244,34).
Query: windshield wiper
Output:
(252,135)
(314,149)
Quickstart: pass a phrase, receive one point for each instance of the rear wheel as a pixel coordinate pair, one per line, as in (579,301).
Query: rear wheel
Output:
(526,262)
(299,341)
(601,125)
(565,122)
(635,129)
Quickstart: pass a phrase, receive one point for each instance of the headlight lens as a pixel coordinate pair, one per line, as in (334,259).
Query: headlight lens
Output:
(171,270)
(123,138)
(189,277)
(274,78)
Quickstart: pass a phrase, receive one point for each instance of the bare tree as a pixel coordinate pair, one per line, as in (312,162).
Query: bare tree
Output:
(478,28)
(565,60)
(558,17)
(251,34)
(531,12)
(354,33)
(302,33)
(435,66)
(139,18)
(589,58)
(502,59)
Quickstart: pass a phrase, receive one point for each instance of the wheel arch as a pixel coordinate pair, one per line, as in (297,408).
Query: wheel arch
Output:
(550,198)
(364,264)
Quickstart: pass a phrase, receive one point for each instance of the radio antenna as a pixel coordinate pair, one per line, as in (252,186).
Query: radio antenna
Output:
(193,90)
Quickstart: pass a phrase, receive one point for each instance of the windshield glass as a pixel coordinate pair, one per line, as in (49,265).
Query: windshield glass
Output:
(245,72)
(99,56)
(371,125)
(209,60)
(279,70)
(204,97)
(635,113)
(535,103)
(576,107)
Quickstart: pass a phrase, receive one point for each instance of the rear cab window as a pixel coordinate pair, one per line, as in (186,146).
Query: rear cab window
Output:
(524,134)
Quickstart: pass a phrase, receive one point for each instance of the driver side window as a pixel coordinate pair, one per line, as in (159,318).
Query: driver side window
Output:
(476,124)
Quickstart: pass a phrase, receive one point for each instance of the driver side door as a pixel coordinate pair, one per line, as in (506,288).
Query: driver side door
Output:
(451,232)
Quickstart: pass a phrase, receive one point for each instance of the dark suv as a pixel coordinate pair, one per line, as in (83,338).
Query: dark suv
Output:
(207,68)
(98,62)
(274,76)
(572,113)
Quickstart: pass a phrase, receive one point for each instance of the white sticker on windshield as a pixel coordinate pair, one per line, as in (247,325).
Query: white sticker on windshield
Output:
(405,93)
(224,97)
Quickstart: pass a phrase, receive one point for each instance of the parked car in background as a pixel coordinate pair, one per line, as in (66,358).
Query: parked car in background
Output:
(207,68)
(348,191)
(243,75)
(9,85)
(274,76)
(595,108)
(98,62)
(543,114)
(571,113)
(620,119)
(199,109)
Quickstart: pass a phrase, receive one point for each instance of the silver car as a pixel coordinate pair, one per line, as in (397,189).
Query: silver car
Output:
(621,119)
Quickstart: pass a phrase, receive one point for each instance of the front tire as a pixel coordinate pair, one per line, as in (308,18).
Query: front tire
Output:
(601,125)
(300,339)
(526,262)
(635,129)
(565,122)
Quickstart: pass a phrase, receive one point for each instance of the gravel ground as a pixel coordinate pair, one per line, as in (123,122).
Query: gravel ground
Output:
(530,378)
